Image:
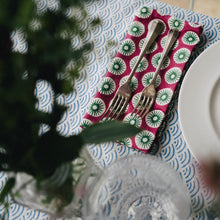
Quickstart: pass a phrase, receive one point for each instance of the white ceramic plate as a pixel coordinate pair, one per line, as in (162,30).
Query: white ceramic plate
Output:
(199,104)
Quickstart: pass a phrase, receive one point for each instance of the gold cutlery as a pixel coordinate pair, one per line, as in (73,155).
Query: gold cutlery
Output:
(148,94)
(123,95)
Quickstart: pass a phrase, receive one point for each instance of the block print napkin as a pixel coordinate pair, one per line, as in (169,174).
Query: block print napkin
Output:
(166,81)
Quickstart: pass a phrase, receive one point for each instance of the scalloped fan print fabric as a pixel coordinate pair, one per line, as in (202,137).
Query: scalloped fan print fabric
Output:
(166,82)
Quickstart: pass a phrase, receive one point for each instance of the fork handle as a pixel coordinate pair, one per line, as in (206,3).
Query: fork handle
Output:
(171,39)
(155,28)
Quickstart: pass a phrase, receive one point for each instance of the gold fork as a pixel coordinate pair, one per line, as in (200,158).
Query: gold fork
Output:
(148,94)
(123,95)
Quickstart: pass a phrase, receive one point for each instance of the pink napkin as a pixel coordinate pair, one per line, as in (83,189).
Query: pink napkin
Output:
(166,82)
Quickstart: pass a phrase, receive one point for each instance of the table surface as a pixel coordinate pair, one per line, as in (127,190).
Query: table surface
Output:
(172,148)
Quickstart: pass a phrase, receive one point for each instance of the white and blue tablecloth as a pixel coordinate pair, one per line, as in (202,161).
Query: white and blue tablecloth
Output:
(172,148)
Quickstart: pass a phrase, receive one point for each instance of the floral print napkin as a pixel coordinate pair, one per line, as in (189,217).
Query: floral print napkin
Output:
(166,81)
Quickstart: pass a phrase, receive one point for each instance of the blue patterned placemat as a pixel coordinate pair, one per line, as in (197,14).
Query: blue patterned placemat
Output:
(172,148)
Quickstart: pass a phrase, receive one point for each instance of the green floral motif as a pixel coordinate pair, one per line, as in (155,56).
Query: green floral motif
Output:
(97,107)
(136,29)
(144,139)
(134,82)
(127,48)
(182,55)
(146,79)
(173,75)
(144,12)
(126,141)
(86,123)
(175,23)
(118,66)
(156,58)
(151,49)
(154,118)
(107,86)
(164,96)
(142,65)
(133,120)
(163,43)
(190,38)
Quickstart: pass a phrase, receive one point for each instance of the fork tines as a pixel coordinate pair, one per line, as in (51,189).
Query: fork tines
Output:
(145,102)
(143,107)
(116,108)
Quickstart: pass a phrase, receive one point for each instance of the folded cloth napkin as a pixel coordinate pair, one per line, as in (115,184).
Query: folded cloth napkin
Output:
(166,81)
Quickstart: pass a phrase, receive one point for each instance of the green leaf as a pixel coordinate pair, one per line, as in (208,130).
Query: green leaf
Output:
(108,131)
(60,149)
(96,21)
(7,188)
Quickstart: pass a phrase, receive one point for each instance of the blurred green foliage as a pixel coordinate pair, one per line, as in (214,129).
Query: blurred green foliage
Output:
(49,53)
